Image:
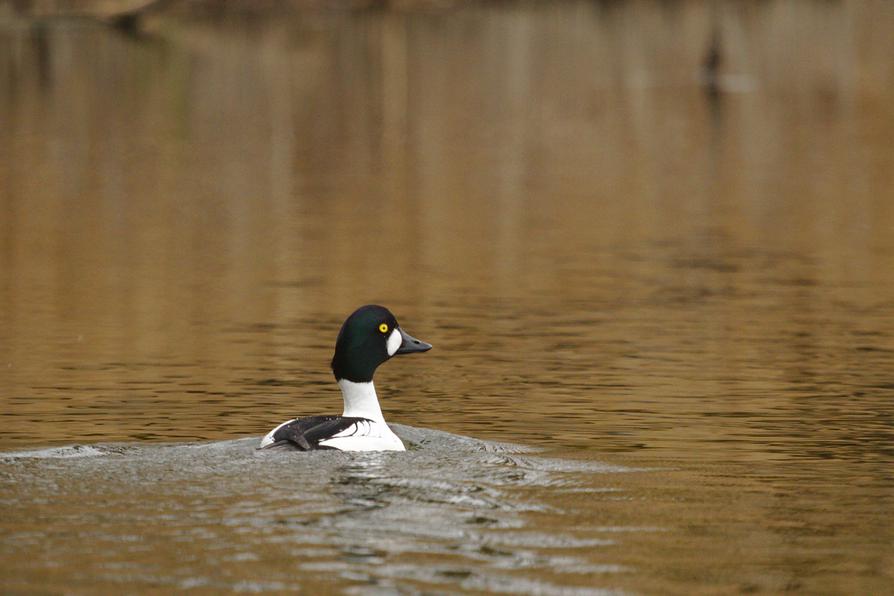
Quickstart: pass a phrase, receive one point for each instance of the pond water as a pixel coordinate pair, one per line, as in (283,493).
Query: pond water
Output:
(661,298)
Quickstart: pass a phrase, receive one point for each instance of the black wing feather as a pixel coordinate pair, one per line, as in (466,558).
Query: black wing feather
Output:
(305,434)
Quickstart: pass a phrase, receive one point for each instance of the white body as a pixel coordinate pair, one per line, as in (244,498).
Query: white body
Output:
(361,401)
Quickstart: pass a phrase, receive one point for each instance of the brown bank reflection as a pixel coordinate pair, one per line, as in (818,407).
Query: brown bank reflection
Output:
(612,253)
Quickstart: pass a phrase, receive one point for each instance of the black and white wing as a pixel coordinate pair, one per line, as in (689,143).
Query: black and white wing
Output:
(305,434)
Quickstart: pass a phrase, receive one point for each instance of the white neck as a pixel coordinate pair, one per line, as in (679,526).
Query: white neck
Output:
(361,400)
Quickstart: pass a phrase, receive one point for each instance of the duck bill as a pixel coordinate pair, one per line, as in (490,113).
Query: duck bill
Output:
(410,344)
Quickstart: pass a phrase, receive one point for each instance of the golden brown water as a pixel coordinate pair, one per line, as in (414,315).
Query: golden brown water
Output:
(683,299)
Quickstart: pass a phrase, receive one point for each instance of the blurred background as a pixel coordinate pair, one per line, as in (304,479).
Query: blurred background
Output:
(658,233)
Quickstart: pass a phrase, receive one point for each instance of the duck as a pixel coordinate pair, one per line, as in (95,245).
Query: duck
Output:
(369,337)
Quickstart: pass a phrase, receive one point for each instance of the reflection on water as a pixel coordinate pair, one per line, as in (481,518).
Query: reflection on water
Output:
(625,250)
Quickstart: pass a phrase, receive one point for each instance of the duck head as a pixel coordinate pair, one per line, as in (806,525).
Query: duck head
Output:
(369,337)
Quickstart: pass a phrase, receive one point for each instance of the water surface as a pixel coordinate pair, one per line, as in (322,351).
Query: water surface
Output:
(661,298)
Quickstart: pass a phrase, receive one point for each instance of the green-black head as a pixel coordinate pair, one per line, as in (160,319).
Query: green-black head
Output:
(369,337)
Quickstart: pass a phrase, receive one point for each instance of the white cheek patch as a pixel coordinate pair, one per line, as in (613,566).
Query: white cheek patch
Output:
(394,341)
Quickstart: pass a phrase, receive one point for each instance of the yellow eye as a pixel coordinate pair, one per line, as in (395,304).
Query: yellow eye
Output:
(383,328)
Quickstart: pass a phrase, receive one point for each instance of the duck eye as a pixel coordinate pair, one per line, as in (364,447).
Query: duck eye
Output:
(383,328)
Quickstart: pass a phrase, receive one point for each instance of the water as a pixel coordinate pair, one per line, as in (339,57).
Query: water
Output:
(663,313)
(225,516)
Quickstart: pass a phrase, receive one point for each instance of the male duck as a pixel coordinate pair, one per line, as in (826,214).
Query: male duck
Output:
(368,337)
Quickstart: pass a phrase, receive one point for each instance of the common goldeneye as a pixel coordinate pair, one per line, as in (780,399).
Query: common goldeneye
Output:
(368,337)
